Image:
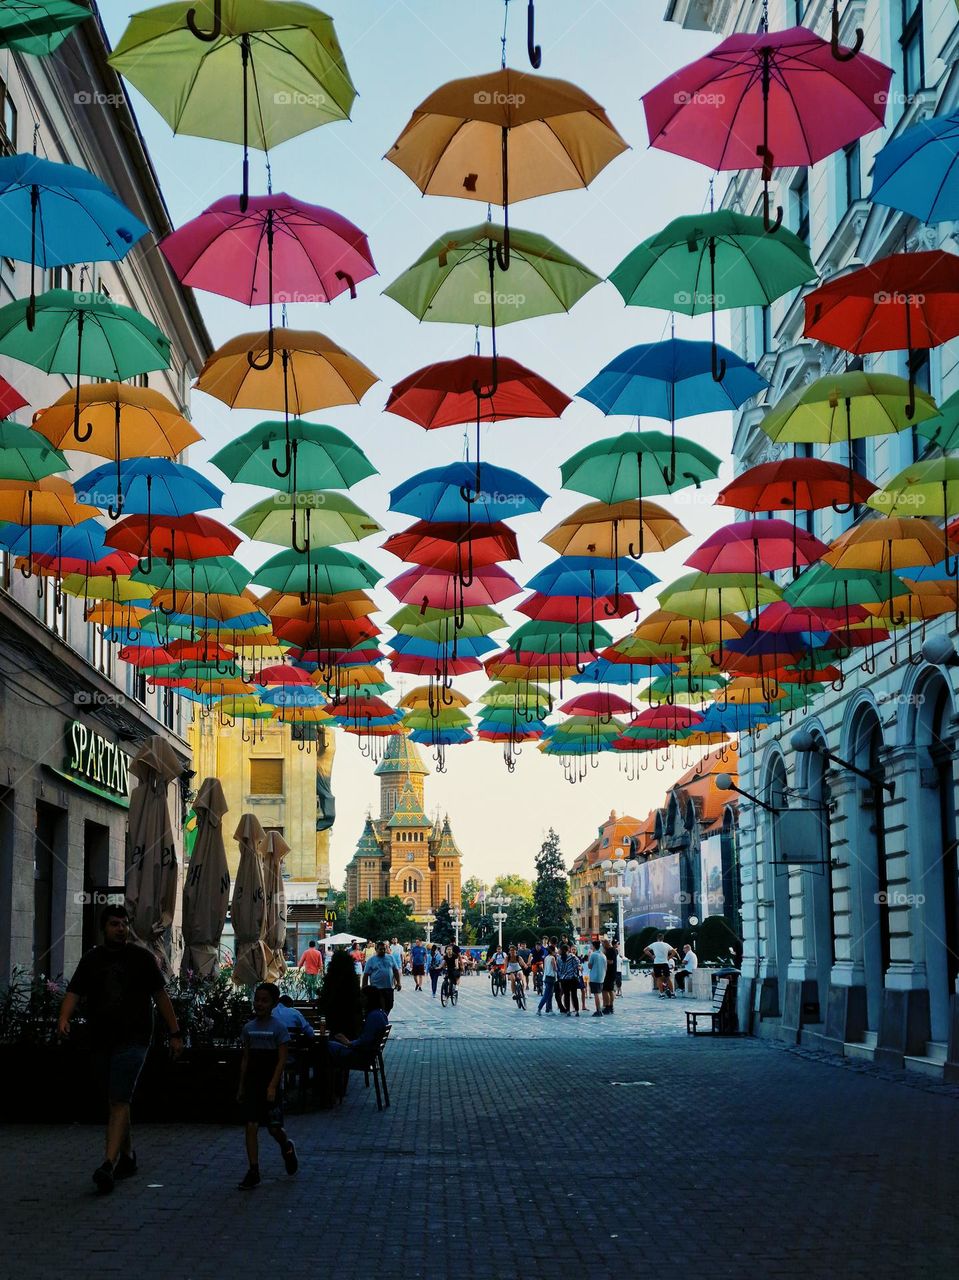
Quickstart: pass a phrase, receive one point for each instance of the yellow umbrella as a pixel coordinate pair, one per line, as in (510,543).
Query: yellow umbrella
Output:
(679,634)
(887,543)
(301,715)
(609,530)
(423,696)
(47,501)
(120,421)
(106,586)
(110,613)
(748,690)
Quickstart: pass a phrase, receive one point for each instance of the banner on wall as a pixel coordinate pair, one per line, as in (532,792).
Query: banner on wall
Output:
(656,898)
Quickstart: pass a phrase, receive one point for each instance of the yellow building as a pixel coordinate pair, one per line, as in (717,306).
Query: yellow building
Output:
(402,852)
(283,781)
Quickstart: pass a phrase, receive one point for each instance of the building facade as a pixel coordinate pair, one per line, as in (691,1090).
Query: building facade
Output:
(72,715)
(402,853)
(857,950)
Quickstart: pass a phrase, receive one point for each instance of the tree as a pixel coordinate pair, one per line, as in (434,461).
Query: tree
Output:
(443,924)
(469,896)
(382,918)
(551,891)
(337,912)
(514,887)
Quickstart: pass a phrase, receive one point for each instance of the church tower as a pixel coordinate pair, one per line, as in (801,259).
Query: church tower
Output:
(402,764)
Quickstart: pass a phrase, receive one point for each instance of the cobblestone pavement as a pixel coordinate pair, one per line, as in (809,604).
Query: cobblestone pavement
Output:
(500,1154)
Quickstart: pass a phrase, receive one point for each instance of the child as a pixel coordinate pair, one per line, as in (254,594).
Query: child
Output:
(260,1093)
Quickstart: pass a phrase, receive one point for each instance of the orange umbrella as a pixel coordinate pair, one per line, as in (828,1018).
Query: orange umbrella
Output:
(608,529)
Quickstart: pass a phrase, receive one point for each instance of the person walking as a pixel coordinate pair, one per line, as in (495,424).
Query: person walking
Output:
(436,966)
(549,980)
(596,964)
(380,979)
(568,972)
(358,958)
(119,983)
(660,953)
(418,964)
(311,962)
(609,981)
(265,1041)
(396,951)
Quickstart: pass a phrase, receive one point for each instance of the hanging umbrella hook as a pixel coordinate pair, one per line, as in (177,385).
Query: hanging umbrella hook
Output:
(215,31)
(270,354)
(843,55)
(82,435)
(719,366)
(532,48)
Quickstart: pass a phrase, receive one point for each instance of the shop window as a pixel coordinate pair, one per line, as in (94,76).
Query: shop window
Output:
(266,777)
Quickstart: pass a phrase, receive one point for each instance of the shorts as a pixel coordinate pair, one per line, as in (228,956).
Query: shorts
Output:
(119,1067)
(418,970)
(660,970)
(609,982)
(257,1109)
(595,988)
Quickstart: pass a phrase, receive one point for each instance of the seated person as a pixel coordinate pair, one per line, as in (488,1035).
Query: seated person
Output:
(342,1048)
(689,965)
(292,1019)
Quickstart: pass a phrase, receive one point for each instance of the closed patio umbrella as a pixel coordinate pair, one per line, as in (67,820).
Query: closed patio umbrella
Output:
(153,878)
(248,908)
(275,850)
(206,888)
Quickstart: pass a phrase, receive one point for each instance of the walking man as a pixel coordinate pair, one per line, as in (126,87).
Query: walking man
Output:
(596,964)
(119,983)
(549,980)
(660,952)
(418,963)
(311,962)
(609,981)
(381,978)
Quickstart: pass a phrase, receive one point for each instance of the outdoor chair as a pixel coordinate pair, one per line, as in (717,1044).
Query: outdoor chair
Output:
(720,1014)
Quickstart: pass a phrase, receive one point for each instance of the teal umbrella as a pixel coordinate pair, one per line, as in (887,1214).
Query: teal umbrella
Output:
(39,27)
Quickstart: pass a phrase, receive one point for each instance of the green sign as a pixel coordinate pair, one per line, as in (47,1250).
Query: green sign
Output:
(93,759)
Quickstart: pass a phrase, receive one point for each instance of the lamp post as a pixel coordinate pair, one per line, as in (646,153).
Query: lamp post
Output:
(457,923)
(500,901)
(618,889)
(429,932)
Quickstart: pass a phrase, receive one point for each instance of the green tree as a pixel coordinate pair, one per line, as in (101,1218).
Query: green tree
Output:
(469,896)
(443,924)
(551,891)
(338,915)
(382,918)
(514,887)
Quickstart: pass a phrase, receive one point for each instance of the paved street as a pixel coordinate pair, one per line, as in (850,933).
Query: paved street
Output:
(737,1159)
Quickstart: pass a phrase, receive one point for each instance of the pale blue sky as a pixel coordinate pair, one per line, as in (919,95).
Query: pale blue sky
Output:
(397,54)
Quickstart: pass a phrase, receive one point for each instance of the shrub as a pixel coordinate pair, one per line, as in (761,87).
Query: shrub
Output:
(28,1008)
(714,939)
(636,942)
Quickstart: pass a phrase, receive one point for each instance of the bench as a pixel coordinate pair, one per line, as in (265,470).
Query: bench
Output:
(720,1014)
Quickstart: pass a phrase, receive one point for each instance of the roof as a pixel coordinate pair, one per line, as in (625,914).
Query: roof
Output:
(401,756)
(447,847)
(408,811)
(699,784)
(367,846)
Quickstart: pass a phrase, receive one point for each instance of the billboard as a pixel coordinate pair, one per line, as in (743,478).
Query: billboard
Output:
(655,898)
(712,900)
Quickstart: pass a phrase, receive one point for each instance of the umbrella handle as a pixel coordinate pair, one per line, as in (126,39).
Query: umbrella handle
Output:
(270,353)
(214,33)
(910,409)
(350,282)
(532,48)
(502,250)
(767,158)
(719,365)
(843,55)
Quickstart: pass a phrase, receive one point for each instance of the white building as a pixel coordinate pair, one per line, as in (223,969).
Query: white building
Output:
(859,954)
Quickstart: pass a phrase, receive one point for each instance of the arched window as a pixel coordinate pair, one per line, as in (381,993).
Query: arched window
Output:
(369,893)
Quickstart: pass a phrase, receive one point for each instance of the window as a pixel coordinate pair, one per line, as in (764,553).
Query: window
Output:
(369,893)
(800,195)
(168,709)
(139,689)
(141,380)
(911,40)
(765,329)
(266,777)
(852,171)
(8,122)
(60,278)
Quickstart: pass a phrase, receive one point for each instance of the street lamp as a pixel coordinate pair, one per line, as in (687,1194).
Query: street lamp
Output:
(457,923)
(500,900)
(618,889)
(429,932)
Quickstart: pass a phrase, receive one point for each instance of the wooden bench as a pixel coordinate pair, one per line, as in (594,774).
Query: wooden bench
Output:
(719,1014)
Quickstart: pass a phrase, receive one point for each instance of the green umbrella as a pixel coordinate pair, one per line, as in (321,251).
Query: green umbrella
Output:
(458,280)
(308,518)
(27,455)
(253,73)
(943,429)
(322,457)
(538,636)
(326,571)
(479,621)
(214,575)
(713,595)
(823,587)
(39,26)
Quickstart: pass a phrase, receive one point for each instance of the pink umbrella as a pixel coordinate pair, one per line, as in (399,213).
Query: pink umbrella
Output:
(281,675)
(10,399)
(764,99)
(432,589)
(756,546)
(604,705)
(665,716)
(277,249)
(781,618)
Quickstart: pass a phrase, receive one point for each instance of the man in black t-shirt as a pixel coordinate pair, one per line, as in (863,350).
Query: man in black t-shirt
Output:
(119,983)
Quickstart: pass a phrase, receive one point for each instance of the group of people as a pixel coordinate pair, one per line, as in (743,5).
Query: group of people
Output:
(565,975)
(668,966)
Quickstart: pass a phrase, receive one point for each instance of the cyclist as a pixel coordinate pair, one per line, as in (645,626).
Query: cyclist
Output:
(452,963)
(496,964)
(515,969)
(525,955)
(537,956)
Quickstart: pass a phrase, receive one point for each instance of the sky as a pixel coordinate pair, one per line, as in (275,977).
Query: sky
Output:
(397,53)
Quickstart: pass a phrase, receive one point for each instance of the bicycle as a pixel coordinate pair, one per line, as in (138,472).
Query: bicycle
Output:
(519,991)
(498,983)
(449,992)
(538,981)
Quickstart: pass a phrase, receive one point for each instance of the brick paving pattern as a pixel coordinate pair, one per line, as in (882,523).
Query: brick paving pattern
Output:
(734,1158)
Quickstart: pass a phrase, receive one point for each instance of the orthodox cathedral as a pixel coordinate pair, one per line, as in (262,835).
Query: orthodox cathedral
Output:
(402,852)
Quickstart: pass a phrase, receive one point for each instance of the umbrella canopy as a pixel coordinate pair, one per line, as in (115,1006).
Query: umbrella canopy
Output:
(39,26)
(602,529)
(119,421)
(760,545)
(206,887)
(10,399)
(153,878)
(943,429)
(307,519)
(238,70)
(275,850)
(434,589)
(446,494)
(327,570)
(713,595)
(918,172)
(794,484)
(151,486)
(449,546)
(323,457)
(190,537)
(27,455)
(444,395)
(248,906)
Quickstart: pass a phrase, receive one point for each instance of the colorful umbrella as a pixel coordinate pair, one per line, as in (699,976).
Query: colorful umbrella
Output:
(444,394)
(322,457)
(758,545)
(189,537)
(306,519)
(27,455)
(39,26)
(918,172)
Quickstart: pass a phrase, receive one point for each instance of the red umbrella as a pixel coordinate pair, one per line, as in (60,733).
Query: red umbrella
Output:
(764,99)
(434,589)
(445,394)
(782,617)
(142,656)
(10,399)
(204,651)
(441,546)
(795,484)
(906,302)
(665,716)
(580,610)
(601,704)
(118,564)
(406,664)
(173,537)
(756,546)
(327,635)
(281,675)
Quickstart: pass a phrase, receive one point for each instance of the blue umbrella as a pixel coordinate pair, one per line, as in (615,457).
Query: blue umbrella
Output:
(83,541)
(53,214)
(441,737)
(148,486)
(736,717)
(196,621)
(293,697)
(465,647)
(602,671)
(449,494)
(918,172)
(671,379)
(591,576)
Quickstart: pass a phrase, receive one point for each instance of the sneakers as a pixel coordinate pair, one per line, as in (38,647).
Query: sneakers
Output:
(290,1160)
(125,1167)
(251,1180)
(104,1177)
(597,1014)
